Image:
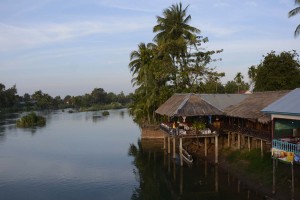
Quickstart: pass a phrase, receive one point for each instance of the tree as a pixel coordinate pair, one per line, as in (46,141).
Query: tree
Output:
(175,63)
(278,72)
(252,73)
(238,80)
(8,97)
(294,12)
(231,87)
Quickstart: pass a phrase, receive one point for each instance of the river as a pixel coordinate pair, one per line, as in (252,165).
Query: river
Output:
(87,156)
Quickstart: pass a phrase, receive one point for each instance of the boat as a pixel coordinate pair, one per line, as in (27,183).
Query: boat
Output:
(188,158)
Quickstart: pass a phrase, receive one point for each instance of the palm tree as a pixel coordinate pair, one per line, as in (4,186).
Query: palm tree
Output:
(252,72)
(294,12)
(173,37)
(238,79)
(174,25)
(142,69)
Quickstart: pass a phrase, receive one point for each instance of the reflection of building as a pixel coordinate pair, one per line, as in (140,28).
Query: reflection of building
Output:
(285,114)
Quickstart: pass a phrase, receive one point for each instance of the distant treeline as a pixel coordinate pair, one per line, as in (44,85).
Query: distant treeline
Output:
(96,100)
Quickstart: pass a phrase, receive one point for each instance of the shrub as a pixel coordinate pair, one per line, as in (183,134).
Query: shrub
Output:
(31,120)
(105,113)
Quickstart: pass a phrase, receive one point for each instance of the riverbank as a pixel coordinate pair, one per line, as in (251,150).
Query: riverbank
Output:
(248,167)
(254,171)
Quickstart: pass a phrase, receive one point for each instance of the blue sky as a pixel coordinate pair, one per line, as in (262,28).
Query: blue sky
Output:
(72,47)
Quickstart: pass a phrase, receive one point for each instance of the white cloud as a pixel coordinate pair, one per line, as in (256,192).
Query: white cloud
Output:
(19,37)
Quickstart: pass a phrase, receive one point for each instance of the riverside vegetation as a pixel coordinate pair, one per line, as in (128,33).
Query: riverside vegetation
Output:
(31,120)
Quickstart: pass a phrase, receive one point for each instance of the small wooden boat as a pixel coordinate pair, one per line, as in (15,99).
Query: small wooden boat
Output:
(188,158)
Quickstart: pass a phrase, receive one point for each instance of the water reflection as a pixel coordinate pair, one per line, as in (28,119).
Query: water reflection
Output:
(161,177)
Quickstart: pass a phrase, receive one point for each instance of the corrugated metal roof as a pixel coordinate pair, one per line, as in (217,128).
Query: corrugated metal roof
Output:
(288,104)
(222,101)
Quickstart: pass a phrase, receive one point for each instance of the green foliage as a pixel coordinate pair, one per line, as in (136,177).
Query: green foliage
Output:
(199,125)
(31,120)
(252,163)
(105,113)
(278,72)
(294,12)
(8,97)
(176,62)
(232,87)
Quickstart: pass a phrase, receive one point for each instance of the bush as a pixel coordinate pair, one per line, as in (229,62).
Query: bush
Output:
(31,120)
(105,113)
(199,125)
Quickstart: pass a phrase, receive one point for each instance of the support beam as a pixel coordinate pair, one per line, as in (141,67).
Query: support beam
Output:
(274,177)
(228,139)
(205,147)
(169,148)
(249,144)
(261,149)
(216,178)
(239,141)
(216,149)
(164,142)
(180,151)
(293,183)
(174,150)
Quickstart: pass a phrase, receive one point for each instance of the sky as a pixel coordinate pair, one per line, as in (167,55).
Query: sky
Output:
(71,47)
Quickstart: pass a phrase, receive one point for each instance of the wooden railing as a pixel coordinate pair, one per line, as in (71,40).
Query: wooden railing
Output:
(286,146)
(265,135)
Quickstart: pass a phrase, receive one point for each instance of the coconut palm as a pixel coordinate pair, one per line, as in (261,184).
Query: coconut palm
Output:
(294,12)
(238,79)
(174,25)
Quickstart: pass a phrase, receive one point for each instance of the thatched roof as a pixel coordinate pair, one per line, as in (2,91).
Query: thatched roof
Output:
(251,107)
(187,105)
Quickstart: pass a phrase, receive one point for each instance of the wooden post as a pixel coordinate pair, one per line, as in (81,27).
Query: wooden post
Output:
(274,177)
(181,180)
(228,138)
(216,178)
(239,141)
(174,150)
(249,145)
(293,183)
(205,168)
(174,171)
(216,149)
(180,151)
(169,148)
(261,149)
(164,142)
(205,147)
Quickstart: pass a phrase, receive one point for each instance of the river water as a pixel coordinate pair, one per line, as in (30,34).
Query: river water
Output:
(87,156)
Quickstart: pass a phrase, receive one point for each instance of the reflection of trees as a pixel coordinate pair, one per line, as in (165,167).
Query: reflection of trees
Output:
(148,174)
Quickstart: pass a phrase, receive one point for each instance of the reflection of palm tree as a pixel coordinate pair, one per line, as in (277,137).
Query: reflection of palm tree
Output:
(294,12)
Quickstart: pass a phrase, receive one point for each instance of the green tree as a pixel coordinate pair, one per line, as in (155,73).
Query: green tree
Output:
(8,97)
(238,80)
(278,72)
(176,63)
(252,73)
(294,12)
(43,100)
(231,87)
